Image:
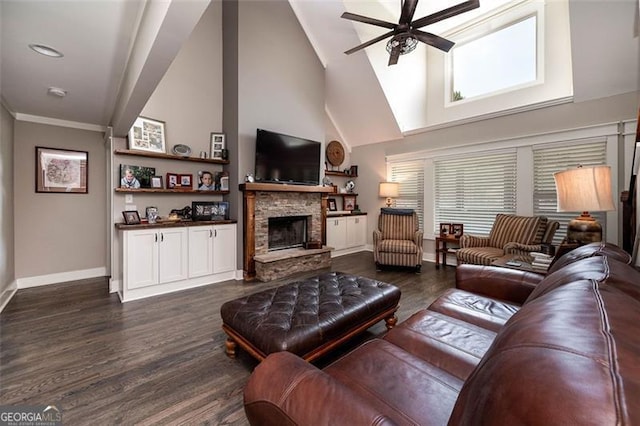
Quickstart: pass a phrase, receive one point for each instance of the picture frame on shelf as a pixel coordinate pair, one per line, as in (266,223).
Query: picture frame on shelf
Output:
(348,202)
(147,134)
(151,210)
(172,180)
(220,210)
(62,171)
(186,181)
(133,176)
(332,205)
(131,217)
(217,141)
(202,210)
(156,182)
(353,171)
(206,181)
(222,181)
(457,229)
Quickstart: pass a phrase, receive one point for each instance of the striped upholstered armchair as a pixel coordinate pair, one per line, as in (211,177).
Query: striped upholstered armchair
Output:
(398,239)
(510,235)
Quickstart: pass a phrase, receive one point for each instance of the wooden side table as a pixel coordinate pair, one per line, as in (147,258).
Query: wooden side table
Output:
(443,248)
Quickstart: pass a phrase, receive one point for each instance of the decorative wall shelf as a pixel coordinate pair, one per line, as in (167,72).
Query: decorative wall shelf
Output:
(171,191)
(341,174)
(169,156)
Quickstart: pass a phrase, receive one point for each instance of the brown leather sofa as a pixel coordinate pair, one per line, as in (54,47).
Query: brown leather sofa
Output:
(503,348)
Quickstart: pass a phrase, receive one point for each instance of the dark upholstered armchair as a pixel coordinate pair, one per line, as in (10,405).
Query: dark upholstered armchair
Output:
(398,239)
(510,235)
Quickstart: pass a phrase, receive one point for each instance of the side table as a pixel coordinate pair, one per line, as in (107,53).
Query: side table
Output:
(443,248)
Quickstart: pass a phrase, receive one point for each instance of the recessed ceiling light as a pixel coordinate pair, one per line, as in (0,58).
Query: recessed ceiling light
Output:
(45,50)
(56,91)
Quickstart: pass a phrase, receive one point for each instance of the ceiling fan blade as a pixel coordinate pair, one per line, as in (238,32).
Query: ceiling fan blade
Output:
(395,54)
(433,40)
(446,13)
(369,43)
(367,20)
(408,9)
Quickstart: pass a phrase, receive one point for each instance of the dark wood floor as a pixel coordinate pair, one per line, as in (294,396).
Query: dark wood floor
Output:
(154,361)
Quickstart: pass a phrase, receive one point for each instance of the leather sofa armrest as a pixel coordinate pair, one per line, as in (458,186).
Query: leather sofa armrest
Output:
(499,283)
(286,390)
(473,241)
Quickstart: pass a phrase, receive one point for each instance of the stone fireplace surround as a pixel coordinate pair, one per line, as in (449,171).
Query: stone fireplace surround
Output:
(264,200)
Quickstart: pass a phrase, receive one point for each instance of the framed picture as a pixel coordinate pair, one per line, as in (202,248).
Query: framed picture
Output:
(185,181)
(220,210)
(217,145)
(136,176)
(353,171)
(172,180)
(332,205)
(151,211)
(147,134)
(202,210)
(62,170)
(156,182)
(348,202)
(222,181)
(456,229)
(206,182)
(445,229)
(131,217)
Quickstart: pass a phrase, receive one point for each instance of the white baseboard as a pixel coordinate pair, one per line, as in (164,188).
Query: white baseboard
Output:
(61,277)
(7,294)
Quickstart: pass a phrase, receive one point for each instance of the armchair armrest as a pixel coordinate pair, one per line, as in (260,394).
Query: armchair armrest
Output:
(473,241)
(377,236)
(499,283)
(418,238)
(286,390)
(521,249)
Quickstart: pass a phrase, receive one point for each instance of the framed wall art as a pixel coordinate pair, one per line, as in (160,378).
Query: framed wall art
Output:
(147,134)
(217,145)
(62,171)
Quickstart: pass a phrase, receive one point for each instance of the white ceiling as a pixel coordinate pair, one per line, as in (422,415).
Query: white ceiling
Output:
(116,52)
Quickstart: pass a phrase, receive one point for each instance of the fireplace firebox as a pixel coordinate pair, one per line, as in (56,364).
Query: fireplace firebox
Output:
(287,232)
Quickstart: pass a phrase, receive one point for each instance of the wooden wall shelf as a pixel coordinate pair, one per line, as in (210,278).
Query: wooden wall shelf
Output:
(341,194)
(169,156)
(170,191)
(334,173)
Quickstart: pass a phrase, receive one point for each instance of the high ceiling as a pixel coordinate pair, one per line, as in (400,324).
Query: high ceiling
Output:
(114,56)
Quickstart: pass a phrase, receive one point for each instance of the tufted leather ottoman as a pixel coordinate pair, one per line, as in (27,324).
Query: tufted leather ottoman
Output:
(309,317)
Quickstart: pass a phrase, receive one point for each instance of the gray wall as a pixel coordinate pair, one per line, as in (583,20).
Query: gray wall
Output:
(7,258)
(57,233)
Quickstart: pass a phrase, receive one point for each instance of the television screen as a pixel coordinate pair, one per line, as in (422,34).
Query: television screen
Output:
(286,159)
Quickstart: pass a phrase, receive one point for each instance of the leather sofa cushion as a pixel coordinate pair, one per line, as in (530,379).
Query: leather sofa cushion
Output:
(591,250)
(448,343)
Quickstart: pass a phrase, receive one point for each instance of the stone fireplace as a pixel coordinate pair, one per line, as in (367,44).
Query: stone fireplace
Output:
(273,206)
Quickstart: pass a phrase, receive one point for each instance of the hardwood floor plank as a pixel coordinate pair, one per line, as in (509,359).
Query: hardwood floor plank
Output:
(155,361)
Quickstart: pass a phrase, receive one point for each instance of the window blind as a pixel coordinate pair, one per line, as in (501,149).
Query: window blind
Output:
(410,176)
(547,161)
(472,190)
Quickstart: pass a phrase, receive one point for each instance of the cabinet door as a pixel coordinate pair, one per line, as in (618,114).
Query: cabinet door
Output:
(337,233)
(356,231)
(140,258)
(172,254)
(224,248)
(200,251)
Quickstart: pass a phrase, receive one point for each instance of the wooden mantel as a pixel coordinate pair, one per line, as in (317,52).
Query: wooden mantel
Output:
(249,190)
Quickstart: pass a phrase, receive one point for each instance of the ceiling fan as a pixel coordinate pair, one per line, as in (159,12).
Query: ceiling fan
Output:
(406,34)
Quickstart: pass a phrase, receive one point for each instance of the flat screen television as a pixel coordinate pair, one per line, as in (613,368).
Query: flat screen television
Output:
(286,159)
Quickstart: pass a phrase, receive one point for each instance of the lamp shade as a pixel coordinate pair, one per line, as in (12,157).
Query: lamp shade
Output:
(584,189)
(388,189)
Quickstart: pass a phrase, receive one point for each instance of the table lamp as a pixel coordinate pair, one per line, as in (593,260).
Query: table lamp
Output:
(389,190)
(584,189)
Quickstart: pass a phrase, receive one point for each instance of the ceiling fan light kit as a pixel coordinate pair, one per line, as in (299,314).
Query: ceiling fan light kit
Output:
(406,33)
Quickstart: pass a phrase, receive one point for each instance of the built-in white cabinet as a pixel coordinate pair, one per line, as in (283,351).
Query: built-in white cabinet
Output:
(167,259)
(346,234)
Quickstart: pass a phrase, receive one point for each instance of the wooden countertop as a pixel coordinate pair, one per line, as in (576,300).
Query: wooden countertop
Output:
(171,224)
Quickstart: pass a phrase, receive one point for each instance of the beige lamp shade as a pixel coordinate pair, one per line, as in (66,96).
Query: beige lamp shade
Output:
(582,190)
(388,190)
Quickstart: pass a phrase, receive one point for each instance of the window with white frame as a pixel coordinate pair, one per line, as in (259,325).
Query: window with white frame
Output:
(549,160)
(410,176)
(472,190)
(496,61)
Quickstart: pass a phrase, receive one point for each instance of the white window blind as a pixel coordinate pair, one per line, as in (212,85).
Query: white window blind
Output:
(547,161)
(472,190)
(410,176)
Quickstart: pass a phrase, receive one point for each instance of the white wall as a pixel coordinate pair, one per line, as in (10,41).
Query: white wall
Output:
(7,259)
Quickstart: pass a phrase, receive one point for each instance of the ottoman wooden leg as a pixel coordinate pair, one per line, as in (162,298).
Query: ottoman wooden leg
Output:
(230,345)
(391,322)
